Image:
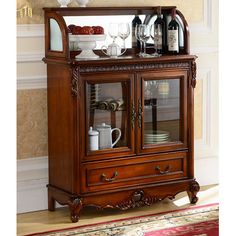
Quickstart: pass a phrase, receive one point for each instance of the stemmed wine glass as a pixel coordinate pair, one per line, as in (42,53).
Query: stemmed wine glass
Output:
(144,35)
(113,31)
(136,33)
(156,36)
(124,32)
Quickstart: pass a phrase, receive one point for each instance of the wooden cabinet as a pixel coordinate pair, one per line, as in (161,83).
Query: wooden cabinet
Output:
(149,100)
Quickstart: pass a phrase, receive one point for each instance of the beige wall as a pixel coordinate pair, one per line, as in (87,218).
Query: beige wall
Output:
(192,9)
(31,123)
(31,72)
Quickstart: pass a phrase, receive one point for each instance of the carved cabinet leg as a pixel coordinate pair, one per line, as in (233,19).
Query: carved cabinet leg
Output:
(192,192)
(51,201)
(75,208)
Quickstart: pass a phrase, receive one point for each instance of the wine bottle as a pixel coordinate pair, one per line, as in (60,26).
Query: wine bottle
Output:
(135,21)
(160,27)
(173,34)
(104,105)
(117,105)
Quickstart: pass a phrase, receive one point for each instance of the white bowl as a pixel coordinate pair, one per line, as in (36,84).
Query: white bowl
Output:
(64,3)
(87,43)
(82,3)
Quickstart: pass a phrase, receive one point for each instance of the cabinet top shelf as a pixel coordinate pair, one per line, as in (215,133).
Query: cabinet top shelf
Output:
(103,60)
(59,43)
(129,10)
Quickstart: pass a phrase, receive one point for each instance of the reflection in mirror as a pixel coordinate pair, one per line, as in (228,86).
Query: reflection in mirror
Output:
(104,21)
(56,37)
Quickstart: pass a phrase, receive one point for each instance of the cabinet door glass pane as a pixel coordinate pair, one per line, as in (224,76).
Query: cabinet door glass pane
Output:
(162,118)
(107,113)
(55,36)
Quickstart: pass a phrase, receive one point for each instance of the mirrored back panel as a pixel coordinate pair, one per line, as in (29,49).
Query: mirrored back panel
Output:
(105,21)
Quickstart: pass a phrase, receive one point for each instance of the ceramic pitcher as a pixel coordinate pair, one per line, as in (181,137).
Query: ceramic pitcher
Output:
(105,136)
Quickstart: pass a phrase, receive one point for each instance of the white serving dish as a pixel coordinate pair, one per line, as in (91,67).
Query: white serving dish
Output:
(87,43)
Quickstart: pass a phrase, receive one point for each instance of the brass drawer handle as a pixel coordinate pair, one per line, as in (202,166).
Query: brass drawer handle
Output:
(162,172)
(105,179)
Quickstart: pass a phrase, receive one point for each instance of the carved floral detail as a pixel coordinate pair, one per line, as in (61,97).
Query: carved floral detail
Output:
(194,186)
(75,206)
(138,199)
(194,74)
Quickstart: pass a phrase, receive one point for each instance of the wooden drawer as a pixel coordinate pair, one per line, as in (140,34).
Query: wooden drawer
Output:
(130,172)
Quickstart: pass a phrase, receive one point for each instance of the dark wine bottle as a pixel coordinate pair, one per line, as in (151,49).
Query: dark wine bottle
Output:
(173,34)
(135,21)
(160,27)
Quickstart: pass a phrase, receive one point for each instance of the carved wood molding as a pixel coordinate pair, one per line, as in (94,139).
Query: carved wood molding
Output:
(194,74)
(133,67)
(75,82)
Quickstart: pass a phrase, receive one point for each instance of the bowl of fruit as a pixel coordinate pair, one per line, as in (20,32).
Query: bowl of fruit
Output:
(85,37)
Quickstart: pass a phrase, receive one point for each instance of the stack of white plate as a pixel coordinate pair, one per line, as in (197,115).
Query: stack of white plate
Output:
(95,92)
(158,136)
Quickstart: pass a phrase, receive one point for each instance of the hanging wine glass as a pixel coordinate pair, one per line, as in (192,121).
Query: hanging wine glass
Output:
(124,32)
(113,31)
(136,33)
(155,35)
(144,35)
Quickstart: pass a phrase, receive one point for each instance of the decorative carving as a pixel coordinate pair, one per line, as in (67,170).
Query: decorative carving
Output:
(192,192)
(137,196)
(132,115)
(75,206)
(75,81)
(194,74)
(133,67)
(138,199)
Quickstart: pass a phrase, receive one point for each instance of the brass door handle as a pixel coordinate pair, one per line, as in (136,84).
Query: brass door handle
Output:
(162,172)
(132,115)
(140,111)
(105,179)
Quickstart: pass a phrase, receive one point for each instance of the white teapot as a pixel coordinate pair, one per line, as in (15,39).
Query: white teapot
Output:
(113,50)
(105,136)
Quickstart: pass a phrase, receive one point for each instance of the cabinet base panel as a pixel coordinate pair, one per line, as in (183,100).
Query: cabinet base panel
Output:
(122,199)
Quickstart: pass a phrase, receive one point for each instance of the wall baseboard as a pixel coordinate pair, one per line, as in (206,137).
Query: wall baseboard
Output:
(32,178)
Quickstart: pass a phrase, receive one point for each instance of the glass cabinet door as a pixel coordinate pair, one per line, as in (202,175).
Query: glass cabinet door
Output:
(107,110)
(164,112)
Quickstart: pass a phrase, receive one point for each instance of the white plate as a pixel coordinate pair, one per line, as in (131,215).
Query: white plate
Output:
(158,132)
(156,135)
(156,138)
(156,142)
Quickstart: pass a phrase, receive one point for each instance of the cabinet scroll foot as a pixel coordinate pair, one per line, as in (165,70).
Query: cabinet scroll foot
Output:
(75,208)
(192,192)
